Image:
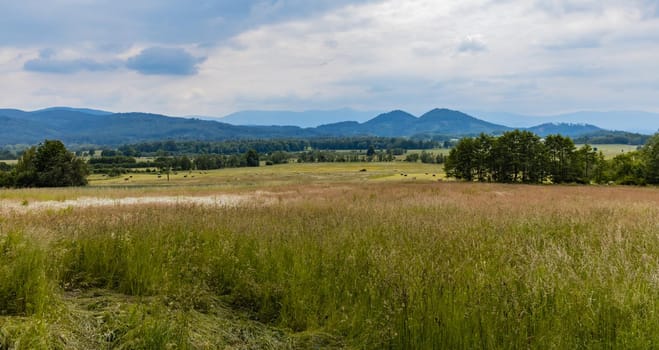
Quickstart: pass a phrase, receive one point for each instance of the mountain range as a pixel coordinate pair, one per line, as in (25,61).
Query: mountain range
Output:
(631,121)
(89,126)
(306,119)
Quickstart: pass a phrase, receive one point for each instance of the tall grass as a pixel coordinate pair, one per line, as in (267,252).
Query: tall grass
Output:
(404,266)
(24,287)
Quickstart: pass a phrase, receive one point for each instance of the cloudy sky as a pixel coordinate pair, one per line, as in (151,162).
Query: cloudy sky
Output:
(206,57)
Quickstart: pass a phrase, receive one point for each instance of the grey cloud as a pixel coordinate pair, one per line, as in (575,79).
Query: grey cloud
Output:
(167,22)
(46,64)
(164,61)
(472,43)
(578,71)
(151,61)
(564,7)
(584,42)
(46,53)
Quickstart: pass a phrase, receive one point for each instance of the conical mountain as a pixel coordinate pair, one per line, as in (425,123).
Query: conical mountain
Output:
(450,122)
(393,123)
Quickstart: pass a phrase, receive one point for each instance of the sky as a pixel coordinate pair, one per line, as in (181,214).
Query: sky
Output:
(212,58)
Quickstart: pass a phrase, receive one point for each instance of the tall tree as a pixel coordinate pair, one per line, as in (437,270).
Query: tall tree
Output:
(460,161)
(50,165)
(650,154)
(482,157)
(560,151)
(252,158)
(25,172)
(587,164)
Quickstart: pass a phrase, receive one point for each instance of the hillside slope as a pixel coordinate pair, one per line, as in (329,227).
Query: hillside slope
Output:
(84,126)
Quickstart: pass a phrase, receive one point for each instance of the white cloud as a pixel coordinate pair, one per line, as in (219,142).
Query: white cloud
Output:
(515,55)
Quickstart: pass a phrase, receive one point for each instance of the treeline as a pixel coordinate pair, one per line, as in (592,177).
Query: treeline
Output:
(48,165)
(268,146)
(7,154)
(115,165)
(523,157)
(613,137)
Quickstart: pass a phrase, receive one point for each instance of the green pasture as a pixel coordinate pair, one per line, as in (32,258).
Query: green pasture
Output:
(612,150)
(291,173)
(234,179)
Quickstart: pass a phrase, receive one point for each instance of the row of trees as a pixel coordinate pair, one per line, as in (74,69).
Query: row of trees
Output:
(251,158)
(119,164)
(268,146)
(521,156)
(48,165)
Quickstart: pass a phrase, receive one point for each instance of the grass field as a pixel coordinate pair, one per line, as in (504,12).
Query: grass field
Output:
(234,180)
(337,258)
(613,150)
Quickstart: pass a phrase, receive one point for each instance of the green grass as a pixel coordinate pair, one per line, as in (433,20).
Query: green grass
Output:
(612,150)
(402,265)
(232,179)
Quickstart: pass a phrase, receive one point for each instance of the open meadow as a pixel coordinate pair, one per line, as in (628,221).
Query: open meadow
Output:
(612,150)
(328,256)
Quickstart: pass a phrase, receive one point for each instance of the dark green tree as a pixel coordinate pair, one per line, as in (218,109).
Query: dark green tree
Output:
(560,151)
(25,172)
(650,154)
(49,165)
(412,157)
(482,157)
(427,157)
(518,156)
(6,180)
(627,169)
(252,158)
(371,151)
(460,160)
(4,166)
(588,164)
(279,157)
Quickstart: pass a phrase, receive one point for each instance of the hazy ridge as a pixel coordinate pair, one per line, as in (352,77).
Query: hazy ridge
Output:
(90,126)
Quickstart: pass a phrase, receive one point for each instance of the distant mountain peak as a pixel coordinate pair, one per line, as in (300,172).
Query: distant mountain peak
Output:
(73,109)
(446,114)
(305,119)
(565,129)
(393,116)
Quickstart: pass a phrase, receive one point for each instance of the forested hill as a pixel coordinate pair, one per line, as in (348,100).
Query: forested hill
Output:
(85,126)
(18,127)
(401,123)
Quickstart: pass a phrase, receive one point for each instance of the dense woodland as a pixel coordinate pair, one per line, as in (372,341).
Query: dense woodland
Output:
(523,157)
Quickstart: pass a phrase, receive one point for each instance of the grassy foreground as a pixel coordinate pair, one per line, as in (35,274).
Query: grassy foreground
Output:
(352,265)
